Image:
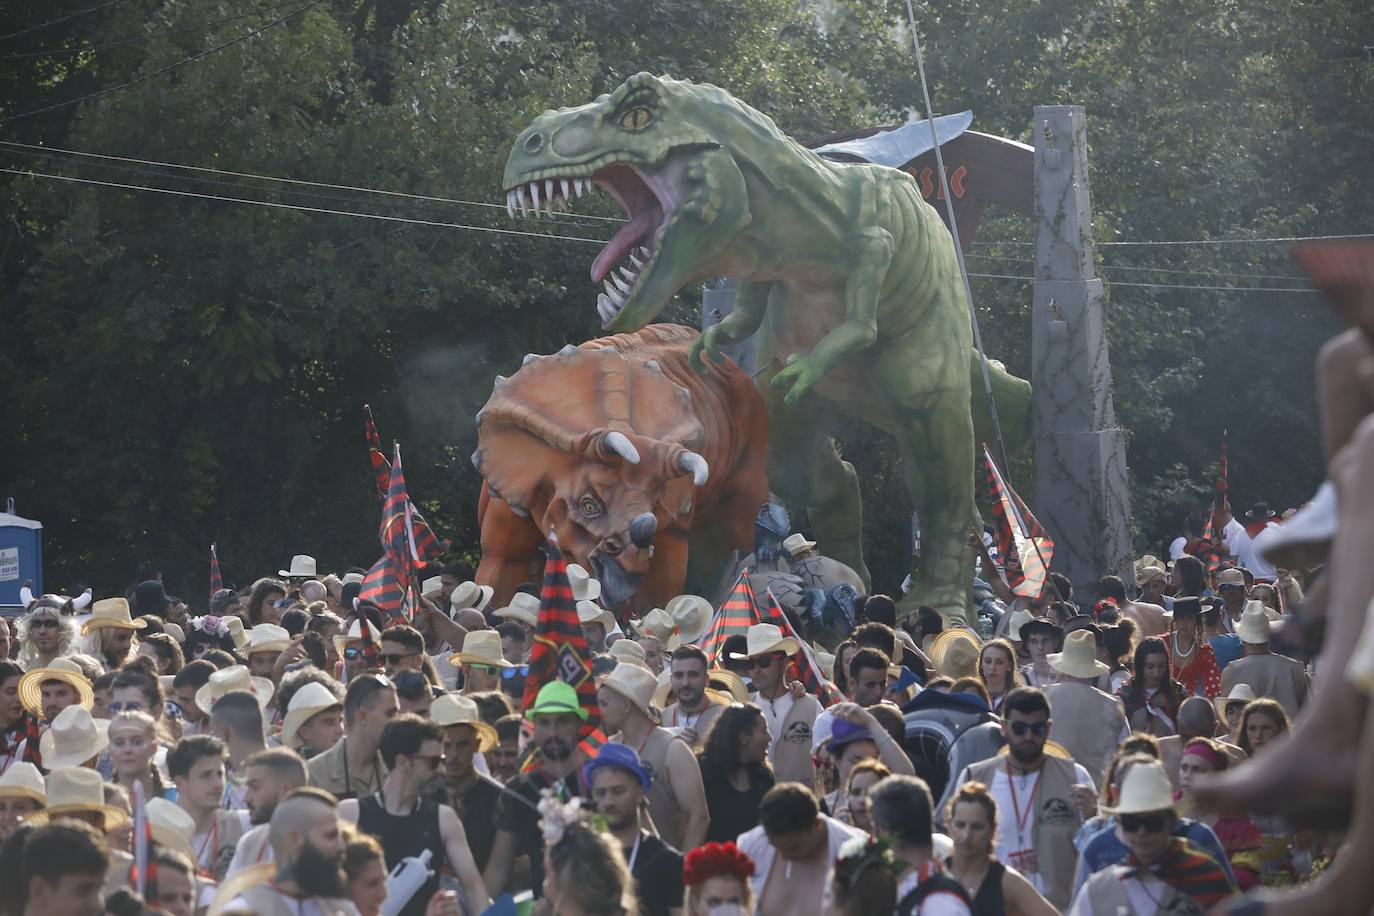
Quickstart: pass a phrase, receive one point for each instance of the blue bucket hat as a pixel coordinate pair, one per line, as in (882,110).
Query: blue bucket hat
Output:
(613,754)
(844,734)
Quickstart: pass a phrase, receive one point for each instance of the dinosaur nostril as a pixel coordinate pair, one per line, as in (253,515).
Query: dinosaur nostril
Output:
(534,143)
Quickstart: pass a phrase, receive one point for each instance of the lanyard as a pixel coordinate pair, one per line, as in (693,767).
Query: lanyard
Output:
(634,853)
(1022,818)
(210,845)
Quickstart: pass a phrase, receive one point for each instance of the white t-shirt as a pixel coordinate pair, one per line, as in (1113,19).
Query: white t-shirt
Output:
(822,729)
(1008,837)
(1176,547)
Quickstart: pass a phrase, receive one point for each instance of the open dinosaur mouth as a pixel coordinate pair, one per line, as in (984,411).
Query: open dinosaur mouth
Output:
(649,200)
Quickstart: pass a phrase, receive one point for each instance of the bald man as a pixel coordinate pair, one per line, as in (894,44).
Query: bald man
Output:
(308,847)
(1197,718)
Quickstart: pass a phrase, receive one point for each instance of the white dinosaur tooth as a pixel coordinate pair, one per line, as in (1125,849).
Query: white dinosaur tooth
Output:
(616,296)
(563,183)
(534,193)
(548,190)
(604,308)
(620,284)
(520,200)
(510,204)
(637,261)
(629,275)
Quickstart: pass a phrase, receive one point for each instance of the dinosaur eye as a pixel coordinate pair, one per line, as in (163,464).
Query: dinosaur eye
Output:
(589,506)
(636,118)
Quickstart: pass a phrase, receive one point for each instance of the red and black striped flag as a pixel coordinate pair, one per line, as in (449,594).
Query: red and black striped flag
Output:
(387,584)
(808,669)
(739,612)
(427,545)
(560,650)
(1024,547)
(216,581)
(1211,536)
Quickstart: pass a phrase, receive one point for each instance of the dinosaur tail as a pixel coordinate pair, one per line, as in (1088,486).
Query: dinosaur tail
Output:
(1013,398)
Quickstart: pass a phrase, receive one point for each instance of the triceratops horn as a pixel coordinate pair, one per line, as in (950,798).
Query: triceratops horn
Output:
(643,527)
(617,443)
(695,465)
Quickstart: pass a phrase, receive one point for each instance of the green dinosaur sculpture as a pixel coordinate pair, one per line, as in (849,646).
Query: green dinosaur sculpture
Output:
(847,277)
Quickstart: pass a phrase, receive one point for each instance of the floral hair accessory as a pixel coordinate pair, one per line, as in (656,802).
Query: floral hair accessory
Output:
(219,626)
(859,854)
(715,860)
(556,816)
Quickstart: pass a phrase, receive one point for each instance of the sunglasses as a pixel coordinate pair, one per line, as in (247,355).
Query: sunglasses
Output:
(395,658)
(43,622)
(1150,823)
(477,666)
(521,670)
(1038,729)
(765,662)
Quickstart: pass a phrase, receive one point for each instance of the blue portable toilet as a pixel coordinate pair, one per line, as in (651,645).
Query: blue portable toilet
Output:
(21,557)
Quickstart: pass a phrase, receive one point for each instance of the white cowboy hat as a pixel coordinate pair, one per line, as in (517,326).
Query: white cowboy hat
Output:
(267,637)
(955,653)
(456,709)
(236,632)
(73,738)
(74,789)
(59,669)
(350,577)
(692,614)
(1241,693)
(796,543)
(171,825)
(584,587)
(523,607)
(235,677)
(591,612)
(1018,619)
(111,613)
(302,567)
(658,623)
(481,647)
(1145,788)
(471,595)
(1254,624)
(354,634)
(1079,658)
(22,779)
(432,584)
(764,638)
(630,652)
(310,699)
(634,683)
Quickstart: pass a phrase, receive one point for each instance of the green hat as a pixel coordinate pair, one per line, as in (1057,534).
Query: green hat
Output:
(556,698)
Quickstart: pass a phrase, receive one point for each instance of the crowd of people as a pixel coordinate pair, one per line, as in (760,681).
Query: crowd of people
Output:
(292,747)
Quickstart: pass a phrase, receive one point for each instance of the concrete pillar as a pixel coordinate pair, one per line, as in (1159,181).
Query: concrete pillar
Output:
(1080,493)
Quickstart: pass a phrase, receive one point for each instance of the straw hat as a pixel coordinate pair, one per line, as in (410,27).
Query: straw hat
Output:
(456,709)
(22,779)
(1150,573)
(431,585)
(764,638)
(1145,788)
(267,637)
(630,652)
(692,614)
(310,699)
(1241,693)
(955,653)
(735,691)
(73,738)
(59,669)
(1254,624)
(591,612)
(658,623)
(471,595)
(481,647)
(302,567)
(1146,562)
(634,684)
(796,543)
(1079,658)
(1018,619)
(236,632)
(354,634)
(172,826)
(111,613)
(235,677)
(584,587)
(523,607)
(77,789)
(350,578)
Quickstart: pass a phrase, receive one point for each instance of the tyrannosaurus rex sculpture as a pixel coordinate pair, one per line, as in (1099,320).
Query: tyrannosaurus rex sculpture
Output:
(847,277)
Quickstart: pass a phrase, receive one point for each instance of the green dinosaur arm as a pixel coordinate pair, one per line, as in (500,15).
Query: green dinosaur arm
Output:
(859,330)
(751,303)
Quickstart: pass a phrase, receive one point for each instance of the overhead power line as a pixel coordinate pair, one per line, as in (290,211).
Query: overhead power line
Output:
(1223,289)
(1157,270)
(1292,238)
(161,70)
(60,19)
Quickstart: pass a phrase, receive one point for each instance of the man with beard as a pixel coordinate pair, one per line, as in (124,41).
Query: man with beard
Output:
(45,633)
(558,718)
(407,822)
(1040,799)
(693,712)
(618,781)
(472,794)
(270,776)
(308,847)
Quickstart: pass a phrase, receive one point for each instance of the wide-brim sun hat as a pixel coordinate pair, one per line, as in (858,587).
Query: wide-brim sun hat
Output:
(629,652)
(59,669)
(1254,624)
(235,677)
(303,566)
(584,586)
(634,683)
(796,543)
(456,709)
(355,634)
(692,616)
(1144,789)
(955,653)
(73,738)
(310,700)
(658,623)
(481,647)
(1018,620)
(22,779)
(765,639)
(470,595)
(557,698)
(523,607)
(171,825)
(77,789)
(589,612)
(1241,693)
(236,632)
(1079,658)
(267,637)
(111,613)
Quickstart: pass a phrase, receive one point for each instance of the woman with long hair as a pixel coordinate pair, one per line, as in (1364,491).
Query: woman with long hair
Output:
(1118,642)
(1239,836)
(206,633)
(993,887)
(165,653)
(584,870)
(843,653)
(1262,722)
(133,745)
(1191,657)
(1151,697)
(735,770)
(1189,578)
(865,775)
(715,881)
(262,601)
(997,670)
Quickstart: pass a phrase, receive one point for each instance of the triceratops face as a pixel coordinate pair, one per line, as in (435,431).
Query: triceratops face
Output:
(596,450)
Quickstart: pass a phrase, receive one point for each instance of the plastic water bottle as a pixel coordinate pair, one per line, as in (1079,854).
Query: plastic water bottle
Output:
(409,875)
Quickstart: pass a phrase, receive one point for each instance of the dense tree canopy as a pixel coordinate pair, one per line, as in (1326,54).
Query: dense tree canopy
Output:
(182,369)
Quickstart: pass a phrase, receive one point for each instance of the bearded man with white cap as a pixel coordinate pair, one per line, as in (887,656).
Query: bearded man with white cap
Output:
(1267,673)
(677,797)
(1089,723)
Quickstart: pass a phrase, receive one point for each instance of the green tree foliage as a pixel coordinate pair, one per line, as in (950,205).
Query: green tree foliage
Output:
(179,370)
